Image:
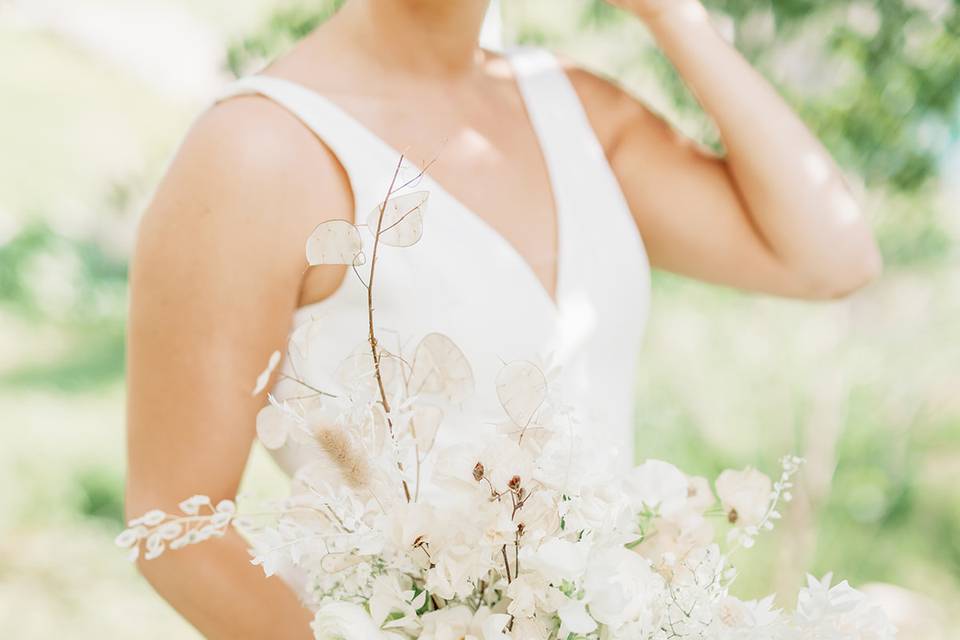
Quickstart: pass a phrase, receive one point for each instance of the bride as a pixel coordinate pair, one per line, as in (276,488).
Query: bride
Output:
(552,192)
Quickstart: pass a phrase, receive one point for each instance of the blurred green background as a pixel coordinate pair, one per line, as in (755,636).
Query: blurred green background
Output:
(95,94)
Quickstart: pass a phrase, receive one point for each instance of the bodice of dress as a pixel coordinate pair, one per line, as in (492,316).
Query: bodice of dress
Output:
(465,280)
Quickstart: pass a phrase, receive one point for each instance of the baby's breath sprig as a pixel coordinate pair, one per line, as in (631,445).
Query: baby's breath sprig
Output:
(746,537)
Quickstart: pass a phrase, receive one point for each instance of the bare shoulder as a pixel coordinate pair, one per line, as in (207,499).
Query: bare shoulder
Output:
(614,113)
(249,181)
(248,156)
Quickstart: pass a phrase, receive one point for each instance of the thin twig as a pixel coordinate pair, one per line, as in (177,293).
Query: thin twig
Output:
(372,336)
(506,563)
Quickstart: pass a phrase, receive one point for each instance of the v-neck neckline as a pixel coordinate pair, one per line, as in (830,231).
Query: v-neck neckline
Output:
(553,299)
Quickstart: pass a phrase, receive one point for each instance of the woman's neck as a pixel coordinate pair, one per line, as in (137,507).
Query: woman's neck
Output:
(437,37)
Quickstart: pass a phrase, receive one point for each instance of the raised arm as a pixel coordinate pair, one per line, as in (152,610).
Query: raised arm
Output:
(215,278)
(773,215)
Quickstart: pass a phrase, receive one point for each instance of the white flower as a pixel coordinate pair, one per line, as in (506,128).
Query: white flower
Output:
(396,601)
(620,587)
(538,628)
(540,517)
(269,552)
(455,570)
(574,618)
(754,619)
(670,542)
(275,421)
(603,510)
(503,459)
(530,593)
(346,621)
(699,496)
(495,625)
(732,612)
(745,495)
(452,473)
(557,559)
(409,524)
(659,486)
(839,612)
(460,623)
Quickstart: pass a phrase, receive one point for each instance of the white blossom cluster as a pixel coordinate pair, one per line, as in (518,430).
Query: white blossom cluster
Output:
(524,532)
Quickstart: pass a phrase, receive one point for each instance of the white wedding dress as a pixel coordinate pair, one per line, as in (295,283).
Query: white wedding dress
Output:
(465,280)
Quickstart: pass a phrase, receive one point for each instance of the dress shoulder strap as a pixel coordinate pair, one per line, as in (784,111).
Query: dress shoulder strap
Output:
(553,105)
(590,202)
(368,161)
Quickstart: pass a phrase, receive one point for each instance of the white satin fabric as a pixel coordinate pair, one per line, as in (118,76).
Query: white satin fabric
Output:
(467,281)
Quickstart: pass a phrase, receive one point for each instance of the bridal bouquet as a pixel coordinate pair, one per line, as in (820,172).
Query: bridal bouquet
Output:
(522,533)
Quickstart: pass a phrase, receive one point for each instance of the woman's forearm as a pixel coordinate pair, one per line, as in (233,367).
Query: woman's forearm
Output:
(214,586)
(793,191)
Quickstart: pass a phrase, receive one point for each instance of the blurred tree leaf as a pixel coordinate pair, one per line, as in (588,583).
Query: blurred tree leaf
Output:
(100,494)
(289,23)
(45,275)
(879,82)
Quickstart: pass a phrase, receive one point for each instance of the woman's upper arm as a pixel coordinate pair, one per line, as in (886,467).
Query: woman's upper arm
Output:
(214,280)
(682,197)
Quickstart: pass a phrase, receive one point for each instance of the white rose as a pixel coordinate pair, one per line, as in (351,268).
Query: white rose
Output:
(745,495)
(620,587)
(657,485)
(599,509)
(346,621)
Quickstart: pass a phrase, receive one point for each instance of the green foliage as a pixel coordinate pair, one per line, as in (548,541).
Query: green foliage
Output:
(100,495)
(880,87)
(877,82)
(72,286)
(45,275)
(93,358)
(289,23)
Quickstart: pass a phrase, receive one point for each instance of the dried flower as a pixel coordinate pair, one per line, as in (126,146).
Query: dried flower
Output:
(348,459)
